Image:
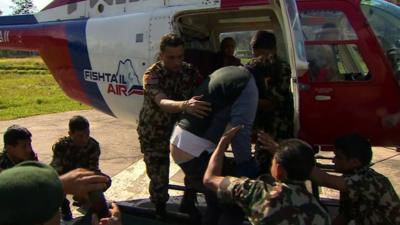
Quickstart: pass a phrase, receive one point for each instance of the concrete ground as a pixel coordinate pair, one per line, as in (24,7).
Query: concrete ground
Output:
(118,139)
(121,157)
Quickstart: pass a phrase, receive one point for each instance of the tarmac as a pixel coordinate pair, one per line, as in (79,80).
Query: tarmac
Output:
(120,151)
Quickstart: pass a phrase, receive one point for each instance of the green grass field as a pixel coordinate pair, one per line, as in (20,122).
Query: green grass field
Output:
(27,88)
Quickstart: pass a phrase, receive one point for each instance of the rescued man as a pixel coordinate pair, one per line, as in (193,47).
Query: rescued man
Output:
(366,197)
(17,147)
(168,86)
(31,194)
(284,200)
(233,95)
(276,108)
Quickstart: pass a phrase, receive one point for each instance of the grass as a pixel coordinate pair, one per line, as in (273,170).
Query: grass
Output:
(27,88)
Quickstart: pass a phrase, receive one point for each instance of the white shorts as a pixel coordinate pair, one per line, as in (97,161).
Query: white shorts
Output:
(190,143)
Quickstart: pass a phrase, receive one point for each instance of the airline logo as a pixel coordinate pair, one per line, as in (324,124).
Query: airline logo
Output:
(124,82)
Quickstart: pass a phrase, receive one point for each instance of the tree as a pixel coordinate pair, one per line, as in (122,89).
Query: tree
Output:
(22,7)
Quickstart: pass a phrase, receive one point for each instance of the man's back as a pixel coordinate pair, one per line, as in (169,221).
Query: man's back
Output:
(370,198)
(265,202)
(221,89)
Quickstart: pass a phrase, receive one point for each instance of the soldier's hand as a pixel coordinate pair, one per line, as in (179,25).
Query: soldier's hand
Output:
(80,182)
(229,134)
(267,142)
(196,107)
(115,218)
(390,121)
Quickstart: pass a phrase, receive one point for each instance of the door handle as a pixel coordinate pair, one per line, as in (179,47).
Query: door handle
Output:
(304,87)
(322,98)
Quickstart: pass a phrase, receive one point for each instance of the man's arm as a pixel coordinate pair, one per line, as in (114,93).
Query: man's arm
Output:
(192,106)
(391,120)
(80,182)
(324,179)
(56,161)
(94,155)
(212,177)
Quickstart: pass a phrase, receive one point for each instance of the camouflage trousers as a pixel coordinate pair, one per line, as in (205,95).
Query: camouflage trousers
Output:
(157,169)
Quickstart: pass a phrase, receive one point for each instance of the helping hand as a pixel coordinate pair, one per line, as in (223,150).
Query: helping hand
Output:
(196,107)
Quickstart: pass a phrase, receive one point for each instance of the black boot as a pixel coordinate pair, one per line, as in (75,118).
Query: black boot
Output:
(66,213)
(161,212)
(188,206)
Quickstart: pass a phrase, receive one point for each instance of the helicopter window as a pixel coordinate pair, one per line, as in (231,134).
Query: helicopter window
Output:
(72,7)
(336,63)
(331,47)
(326,25)
(384,19)
(242,39)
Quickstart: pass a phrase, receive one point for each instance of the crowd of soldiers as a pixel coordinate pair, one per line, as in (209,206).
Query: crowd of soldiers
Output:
(193,119)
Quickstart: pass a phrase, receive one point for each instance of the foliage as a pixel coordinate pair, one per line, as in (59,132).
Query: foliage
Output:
(27,88)
(23,7)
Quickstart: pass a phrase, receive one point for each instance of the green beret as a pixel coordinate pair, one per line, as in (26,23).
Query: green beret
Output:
(30,193)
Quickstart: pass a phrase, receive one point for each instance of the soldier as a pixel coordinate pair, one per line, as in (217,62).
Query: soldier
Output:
(275,108)
(284,201)
(168,86)
(17,147)
(78,150)
(39,189)
(366,197)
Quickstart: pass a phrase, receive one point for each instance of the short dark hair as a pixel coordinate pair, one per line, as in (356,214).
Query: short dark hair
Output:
(354,146)
(170,40)
(263,40)
(78,123)
(15,133)
(224,41)
(297,157)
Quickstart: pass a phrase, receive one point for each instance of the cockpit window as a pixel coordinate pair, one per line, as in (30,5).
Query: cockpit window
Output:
(384,19)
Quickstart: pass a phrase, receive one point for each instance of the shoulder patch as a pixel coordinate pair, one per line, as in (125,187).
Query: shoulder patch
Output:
(150,79)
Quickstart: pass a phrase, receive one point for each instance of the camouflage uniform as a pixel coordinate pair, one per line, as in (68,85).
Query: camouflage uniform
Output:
(155,125)
(6,162)
(369,199)
(67,156)
(278,122)
(266,202)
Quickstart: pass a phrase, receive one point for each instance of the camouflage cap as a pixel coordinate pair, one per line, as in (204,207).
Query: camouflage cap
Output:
(30,193)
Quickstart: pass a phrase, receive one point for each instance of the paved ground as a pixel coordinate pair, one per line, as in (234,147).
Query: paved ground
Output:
(118,139)
(121,157)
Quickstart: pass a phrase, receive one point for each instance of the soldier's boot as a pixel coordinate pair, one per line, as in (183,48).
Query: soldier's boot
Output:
(161,212)
(66,213)
(188,206)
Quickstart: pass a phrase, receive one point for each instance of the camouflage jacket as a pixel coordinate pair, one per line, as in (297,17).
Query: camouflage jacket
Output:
(369,199)
(6,162)
(278,122)
(67,156)
(155,125)
(268,202)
